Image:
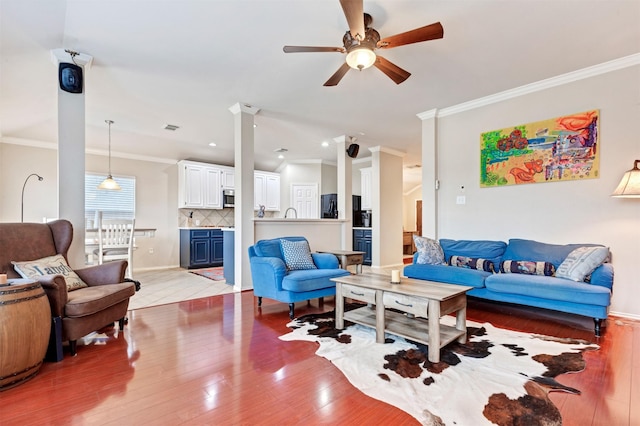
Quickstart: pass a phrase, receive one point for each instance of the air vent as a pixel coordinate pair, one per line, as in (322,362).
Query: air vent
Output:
(414,166)
(171,127)
(280,150)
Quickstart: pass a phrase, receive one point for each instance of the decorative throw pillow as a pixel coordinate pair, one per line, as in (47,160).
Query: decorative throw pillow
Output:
(472,263)
(52,265)
(429,251)
(581,262)
(297,255)
(527,267)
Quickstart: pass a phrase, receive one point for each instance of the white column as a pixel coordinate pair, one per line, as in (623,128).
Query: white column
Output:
(71,157)
(386,203)
(345,190)
(243,215)
(430,182)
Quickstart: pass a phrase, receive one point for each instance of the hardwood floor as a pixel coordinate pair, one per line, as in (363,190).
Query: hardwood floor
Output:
(218,360)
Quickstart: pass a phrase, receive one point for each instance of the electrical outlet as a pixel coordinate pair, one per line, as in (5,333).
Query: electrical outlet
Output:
(461,199)
(151,250)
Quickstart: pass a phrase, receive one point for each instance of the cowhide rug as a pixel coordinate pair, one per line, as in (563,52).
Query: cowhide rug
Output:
(497,377)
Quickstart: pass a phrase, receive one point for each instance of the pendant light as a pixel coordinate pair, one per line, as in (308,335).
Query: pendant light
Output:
(109,182)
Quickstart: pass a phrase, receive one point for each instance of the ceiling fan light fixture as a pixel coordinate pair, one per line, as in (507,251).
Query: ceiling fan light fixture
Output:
(361,57)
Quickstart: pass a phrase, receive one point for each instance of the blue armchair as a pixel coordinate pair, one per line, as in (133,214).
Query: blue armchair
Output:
(273,280)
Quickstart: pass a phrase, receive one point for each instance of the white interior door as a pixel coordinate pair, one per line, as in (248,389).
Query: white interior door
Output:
(304,197)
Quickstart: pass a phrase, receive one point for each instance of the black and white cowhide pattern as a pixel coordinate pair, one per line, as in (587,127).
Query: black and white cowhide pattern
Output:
(498,377)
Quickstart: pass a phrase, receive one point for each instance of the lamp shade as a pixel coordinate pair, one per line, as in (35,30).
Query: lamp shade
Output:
(109,183)
(361,58)
(629,186)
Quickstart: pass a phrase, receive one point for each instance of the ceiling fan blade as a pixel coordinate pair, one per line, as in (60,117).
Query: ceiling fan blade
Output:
(428,32)
(394,72)
(354,12)
(296,49)
(335,78)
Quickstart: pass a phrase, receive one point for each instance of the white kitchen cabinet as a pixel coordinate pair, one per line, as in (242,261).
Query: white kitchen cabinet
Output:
(228,177)
(266,190)
(199,185)
(212,188)
(365,186)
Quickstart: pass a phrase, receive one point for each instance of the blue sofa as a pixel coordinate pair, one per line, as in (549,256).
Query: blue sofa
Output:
(589,298)
(271,278)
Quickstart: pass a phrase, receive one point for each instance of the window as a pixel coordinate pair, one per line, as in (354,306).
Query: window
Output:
(113,204)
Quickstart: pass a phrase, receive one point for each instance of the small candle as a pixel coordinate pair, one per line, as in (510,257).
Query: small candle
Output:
(395,276)
(3,278)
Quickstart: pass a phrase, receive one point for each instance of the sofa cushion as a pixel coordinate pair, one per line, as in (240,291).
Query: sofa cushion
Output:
(447,274)
(51,265)
(519,249)
(472,263)
(581,262)
(429,251)
(486,249)
(550,288)
(93,299)
(311,279)
(528,267)
(297,255)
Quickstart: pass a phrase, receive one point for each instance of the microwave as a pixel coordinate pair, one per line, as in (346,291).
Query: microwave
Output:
(228,196)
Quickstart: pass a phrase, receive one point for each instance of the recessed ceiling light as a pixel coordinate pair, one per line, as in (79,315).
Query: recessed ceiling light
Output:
(212,144)
(325,144)
(281,156)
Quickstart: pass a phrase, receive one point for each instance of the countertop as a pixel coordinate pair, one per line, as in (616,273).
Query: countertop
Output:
(295,220)
(223,228)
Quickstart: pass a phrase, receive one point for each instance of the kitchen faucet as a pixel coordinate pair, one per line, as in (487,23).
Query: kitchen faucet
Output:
(287,212)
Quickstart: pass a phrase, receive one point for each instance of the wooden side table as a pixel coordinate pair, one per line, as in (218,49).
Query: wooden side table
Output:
(348,257)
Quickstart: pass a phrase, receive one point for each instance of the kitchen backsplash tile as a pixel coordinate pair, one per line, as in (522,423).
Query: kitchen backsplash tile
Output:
(205,217)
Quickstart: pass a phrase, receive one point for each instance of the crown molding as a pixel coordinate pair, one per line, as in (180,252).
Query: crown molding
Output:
(388,150)
(570,77)
(114,154)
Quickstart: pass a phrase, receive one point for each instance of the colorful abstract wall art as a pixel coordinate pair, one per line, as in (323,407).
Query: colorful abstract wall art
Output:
(559,149)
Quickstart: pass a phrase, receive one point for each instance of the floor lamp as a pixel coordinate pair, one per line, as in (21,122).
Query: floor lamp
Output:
(25,184)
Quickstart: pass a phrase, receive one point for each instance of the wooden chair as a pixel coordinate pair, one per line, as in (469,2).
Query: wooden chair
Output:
(115,241)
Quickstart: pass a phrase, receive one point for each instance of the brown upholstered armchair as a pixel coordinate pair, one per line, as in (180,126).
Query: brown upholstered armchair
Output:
(75,313)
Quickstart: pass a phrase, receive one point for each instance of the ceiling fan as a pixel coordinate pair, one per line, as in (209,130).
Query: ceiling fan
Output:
(361,41)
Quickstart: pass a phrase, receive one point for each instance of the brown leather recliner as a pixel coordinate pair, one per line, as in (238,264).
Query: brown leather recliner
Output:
(76,313)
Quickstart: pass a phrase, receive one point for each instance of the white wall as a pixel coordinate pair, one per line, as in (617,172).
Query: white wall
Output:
(40,198)
(297,173)
(329,179)
(409,208)
(558,212)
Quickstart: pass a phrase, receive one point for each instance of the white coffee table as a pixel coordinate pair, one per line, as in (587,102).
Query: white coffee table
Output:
(422,304)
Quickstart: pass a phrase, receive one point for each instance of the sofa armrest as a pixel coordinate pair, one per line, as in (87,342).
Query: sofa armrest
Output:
(325,260)
(603,276)
(55,287)
(107,273)
(268,272)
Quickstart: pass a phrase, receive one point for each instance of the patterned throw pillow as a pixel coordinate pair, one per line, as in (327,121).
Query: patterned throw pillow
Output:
(527,267)
(297,255)
(51,265)
(429,251)
(581,262)
(472,263)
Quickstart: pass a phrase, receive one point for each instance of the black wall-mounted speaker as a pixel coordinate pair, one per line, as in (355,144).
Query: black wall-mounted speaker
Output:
(353,149)
(70,77)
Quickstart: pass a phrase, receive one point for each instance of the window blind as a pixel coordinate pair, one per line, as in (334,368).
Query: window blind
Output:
(113,204)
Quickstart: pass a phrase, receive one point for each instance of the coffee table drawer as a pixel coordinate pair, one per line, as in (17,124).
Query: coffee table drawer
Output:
(355,259)
(358,293)
(409,304)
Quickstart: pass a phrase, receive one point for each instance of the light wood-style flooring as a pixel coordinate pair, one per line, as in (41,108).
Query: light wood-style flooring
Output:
(218,361)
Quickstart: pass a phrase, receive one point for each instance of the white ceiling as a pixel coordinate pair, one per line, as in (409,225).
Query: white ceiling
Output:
(185,62)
